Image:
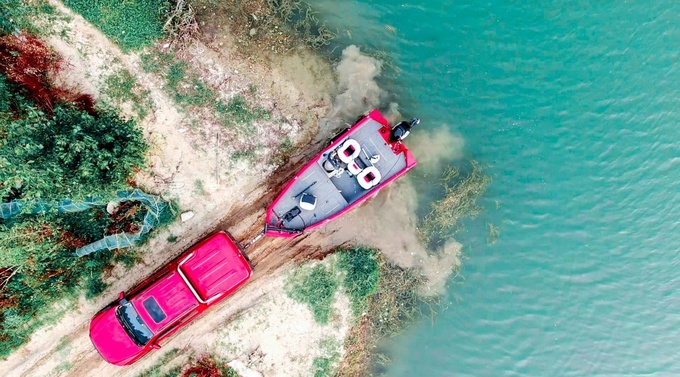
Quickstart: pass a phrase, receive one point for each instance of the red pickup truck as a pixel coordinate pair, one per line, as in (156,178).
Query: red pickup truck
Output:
(137,322)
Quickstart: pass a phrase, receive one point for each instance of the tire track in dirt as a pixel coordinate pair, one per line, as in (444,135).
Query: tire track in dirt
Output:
(245,221)
(267,256)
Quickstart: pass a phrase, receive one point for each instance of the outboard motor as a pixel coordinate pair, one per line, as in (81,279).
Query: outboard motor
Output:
(401,130)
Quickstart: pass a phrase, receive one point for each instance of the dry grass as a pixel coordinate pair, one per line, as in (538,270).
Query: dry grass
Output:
(181,25)
(276,26)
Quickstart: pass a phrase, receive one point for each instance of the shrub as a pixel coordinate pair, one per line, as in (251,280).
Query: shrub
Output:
(315,287)
(38,269)
(389,308)
(51,149)
(70,155)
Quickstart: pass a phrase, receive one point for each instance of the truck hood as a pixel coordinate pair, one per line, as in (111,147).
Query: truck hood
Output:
(111,340)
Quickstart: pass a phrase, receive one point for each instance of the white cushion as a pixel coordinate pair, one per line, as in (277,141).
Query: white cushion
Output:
(349,150)
(369,177)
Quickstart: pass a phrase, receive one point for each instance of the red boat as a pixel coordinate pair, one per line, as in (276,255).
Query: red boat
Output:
(358,163)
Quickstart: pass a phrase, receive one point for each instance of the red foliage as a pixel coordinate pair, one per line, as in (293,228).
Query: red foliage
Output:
(203,367)
(123,219)
(26,61)
(84,102)
(71,241)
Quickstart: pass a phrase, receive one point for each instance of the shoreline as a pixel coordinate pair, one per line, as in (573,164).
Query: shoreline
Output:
(176,162)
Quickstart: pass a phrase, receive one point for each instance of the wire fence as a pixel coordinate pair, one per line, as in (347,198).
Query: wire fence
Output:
(154,205)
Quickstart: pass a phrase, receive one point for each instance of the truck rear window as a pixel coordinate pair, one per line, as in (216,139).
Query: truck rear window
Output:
(155,311)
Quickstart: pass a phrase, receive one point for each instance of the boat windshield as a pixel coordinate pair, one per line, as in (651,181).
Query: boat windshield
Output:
(133,325)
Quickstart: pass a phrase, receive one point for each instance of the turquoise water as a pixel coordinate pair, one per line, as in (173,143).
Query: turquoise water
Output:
(575,107)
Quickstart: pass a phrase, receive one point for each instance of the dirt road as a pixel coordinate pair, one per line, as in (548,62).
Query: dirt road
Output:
(65,348)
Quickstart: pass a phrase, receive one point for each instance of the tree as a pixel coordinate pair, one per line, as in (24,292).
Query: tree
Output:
(71,154)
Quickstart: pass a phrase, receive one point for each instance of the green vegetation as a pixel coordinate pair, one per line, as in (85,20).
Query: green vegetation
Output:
(156,62)
(384,298)
(198,187)
(459,201)
(55,145)
(130,23)
(388,307)
(248,154)
(373,285)
(63,367)
(315,287)
(395,301)
(362,274)
(284,151)
(70,154)
(188,91)
(17,15)
(286,147)
(240,112)
(122,87)
(322,365)
(39,269)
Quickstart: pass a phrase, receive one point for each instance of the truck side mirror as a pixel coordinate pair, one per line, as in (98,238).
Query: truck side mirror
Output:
(155,346)
(121,296)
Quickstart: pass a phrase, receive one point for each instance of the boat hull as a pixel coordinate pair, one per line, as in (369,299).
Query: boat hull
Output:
(365,161)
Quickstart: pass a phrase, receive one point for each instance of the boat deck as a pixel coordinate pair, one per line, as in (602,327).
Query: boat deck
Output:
(337,192)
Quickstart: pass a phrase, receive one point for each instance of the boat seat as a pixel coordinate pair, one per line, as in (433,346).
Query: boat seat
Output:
(353,168)
(307,202)
(349,150)
(369,177)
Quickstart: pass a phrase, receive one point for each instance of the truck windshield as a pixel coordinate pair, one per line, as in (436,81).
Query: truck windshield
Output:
(133,325)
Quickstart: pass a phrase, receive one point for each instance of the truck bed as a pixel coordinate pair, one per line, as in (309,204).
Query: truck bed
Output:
(215,267)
